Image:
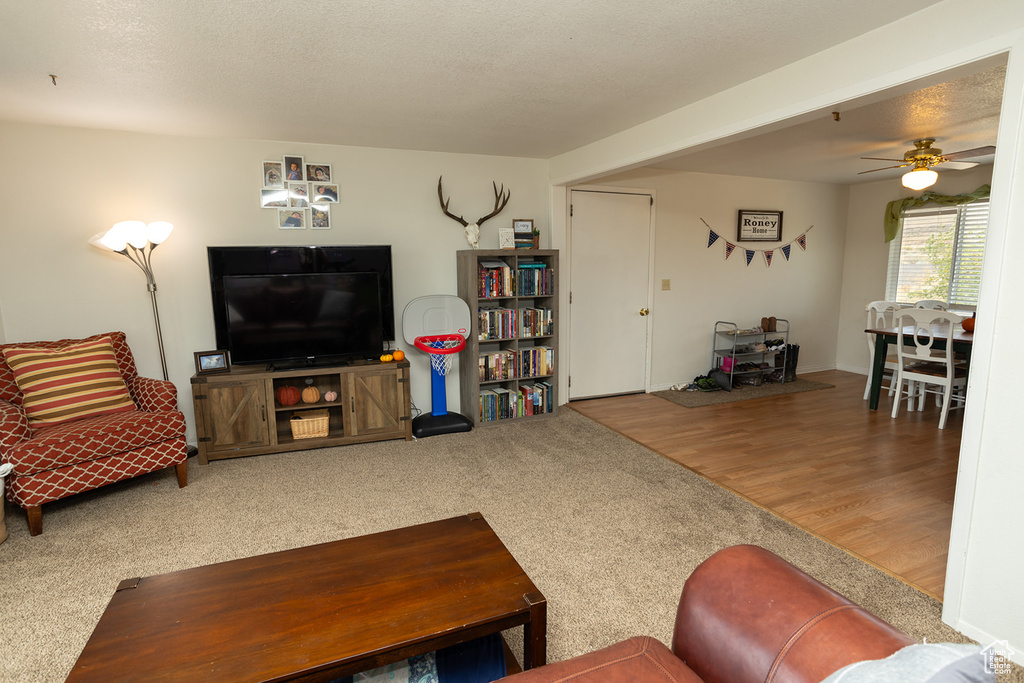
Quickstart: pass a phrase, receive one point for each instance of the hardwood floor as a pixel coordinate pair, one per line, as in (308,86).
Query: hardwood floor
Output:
(878,487)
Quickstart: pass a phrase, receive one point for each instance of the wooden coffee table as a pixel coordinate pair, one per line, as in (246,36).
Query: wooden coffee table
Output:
(319,612)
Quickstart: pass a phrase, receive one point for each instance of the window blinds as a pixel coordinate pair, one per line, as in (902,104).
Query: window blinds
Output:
(937,255)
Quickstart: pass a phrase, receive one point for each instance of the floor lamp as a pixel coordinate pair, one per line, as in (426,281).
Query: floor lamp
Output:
(136,241)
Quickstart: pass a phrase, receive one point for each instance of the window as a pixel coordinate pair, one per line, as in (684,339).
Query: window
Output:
(937,255)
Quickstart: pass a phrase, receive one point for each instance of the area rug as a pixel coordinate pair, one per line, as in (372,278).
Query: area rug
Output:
(699,399)
(607,529)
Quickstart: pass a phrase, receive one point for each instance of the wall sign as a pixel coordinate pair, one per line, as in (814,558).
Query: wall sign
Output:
(759,226)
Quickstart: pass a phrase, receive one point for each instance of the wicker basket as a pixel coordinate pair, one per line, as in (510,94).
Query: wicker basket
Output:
(310,424)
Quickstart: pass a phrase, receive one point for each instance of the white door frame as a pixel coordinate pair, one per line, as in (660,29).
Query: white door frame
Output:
(565,329)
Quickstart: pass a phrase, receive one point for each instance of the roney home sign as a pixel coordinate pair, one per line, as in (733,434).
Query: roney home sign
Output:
(759,226)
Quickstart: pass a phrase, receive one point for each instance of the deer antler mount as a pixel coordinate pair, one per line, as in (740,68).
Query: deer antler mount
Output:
(501,198)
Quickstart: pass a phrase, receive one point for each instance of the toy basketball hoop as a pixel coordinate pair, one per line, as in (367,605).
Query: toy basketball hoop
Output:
(441,348)
(438,325)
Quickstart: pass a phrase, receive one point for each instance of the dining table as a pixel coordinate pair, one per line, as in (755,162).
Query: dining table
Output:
(962,342)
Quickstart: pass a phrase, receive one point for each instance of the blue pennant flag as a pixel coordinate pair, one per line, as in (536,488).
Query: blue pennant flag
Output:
(750,255)
(712,237)
(785,250)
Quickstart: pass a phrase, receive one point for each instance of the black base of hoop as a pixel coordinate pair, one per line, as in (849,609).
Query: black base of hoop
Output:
(432,425)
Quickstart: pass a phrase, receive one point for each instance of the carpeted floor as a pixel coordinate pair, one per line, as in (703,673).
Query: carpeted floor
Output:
(606,529)
(699,399)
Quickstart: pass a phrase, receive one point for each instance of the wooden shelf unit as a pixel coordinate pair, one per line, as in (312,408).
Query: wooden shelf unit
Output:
(523,364)
(237,413)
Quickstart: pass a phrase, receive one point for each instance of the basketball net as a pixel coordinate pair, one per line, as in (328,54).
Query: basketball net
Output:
(442,348)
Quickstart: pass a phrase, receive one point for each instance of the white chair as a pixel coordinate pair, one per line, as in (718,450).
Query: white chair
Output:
(922,364)
(881,314)
(932,304)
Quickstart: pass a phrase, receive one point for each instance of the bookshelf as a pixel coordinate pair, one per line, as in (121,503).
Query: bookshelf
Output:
(508,369)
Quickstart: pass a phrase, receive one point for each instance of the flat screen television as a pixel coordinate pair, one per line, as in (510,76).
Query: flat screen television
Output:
(294,306)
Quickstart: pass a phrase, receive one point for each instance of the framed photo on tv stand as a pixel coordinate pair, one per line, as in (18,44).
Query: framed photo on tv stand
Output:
(210,362)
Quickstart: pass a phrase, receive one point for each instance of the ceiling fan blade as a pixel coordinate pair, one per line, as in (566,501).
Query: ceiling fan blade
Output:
(957,165)
(882,159)
(886,168)
(976,152)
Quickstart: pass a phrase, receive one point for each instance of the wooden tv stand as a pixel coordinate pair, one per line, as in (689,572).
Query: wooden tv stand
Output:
(237,413)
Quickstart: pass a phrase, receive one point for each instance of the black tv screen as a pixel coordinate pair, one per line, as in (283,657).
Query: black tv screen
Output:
(297,317)
(269,305)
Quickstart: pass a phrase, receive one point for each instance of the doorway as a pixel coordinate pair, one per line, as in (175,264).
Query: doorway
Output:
(609,291)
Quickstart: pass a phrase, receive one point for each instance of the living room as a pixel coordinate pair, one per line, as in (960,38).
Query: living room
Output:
(208,187)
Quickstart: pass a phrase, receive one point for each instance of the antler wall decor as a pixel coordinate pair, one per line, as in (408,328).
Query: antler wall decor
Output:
(501,198)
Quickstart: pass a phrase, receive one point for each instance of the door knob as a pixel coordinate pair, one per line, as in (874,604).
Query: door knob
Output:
(644,311)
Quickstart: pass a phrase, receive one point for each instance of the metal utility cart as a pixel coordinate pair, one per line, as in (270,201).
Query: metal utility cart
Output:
(729,341)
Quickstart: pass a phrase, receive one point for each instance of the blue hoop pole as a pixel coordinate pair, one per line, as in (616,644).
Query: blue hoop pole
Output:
(439,398)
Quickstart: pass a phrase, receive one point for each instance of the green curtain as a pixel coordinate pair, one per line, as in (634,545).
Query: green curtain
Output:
(894,209)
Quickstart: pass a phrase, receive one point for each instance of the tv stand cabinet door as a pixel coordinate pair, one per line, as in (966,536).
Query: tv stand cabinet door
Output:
(378,402)
(231,415)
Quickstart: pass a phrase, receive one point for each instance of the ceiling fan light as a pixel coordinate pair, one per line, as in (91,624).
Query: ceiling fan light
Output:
(920,178)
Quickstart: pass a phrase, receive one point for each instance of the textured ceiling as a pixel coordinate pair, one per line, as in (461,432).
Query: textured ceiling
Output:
(961,113)
(531,78)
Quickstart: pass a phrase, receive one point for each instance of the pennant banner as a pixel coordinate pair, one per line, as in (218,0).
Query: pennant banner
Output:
(748,254)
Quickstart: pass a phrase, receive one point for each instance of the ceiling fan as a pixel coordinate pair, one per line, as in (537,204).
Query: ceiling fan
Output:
(924,156)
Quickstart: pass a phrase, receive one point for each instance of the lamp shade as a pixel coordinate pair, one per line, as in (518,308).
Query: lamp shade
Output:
(158,231)
(920,178)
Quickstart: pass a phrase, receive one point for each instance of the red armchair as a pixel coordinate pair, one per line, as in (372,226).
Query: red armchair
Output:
(53,461)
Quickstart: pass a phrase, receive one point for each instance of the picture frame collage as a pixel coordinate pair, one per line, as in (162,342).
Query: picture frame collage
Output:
(301,193)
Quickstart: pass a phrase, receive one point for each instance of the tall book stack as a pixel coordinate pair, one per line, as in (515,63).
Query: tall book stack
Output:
(496,279)
(534,279)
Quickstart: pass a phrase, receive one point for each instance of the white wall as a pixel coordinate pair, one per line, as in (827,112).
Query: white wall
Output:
(706,287)
(74,183)
(866,255)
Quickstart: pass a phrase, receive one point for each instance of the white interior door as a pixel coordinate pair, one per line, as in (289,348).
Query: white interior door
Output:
(610,237)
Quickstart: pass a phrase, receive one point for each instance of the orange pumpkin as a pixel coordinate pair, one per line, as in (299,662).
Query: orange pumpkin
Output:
(386,357)
(310,395)
(968,324)
(288,395)
(399,354)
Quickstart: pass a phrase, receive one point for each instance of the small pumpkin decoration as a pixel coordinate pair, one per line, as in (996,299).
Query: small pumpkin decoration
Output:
(331,396)
(968,324)
(310,395)
(386,357)
(399,354)
(288,395)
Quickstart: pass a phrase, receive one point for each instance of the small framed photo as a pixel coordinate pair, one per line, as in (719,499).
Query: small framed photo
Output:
(506,238)
(320,216)
(523,227)
(759,226)
(273,197)
(272,176)
(324,193)
(293,168)
(318,173)
(298,194)
(291,219)
(209,362)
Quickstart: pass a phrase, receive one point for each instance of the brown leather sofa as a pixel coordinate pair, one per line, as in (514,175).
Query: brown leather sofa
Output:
(745,615)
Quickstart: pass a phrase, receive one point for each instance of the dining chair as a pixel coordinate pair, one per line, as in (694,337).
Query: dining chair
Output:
(881,314)
(924,365)
(933,304)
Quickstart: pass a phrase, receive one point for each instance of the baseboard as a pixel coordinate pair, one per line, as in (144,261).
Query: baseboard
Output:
(857,369)
(1013,652)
